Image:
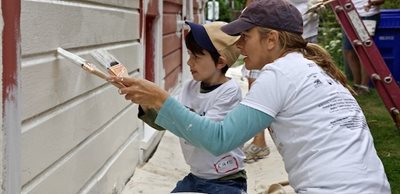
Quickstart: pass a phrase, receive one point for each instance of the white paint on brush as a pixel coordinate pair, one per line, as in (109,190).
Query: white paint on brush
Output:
(70,56)
(103,57)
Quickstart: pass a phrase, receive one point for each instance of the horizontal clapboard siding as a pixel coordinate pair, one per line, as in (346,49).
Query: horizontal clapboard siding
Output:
(46,26)
(48,80)
(78,134)
(76,168)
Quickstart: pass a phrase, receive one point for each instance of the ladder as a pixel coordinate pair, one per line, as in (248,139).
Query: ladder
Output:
(368,54)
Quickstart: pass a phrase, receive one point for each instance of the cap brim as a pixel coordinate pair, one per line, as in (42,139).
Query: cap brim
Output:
(236,27)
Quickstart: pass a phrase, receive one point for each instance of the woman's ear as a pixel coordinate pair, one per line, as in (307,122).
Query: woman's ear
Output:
(272,40)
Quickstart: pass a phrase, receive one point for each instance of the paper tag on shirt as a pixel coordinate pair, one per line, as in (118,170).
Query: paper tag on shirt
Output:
(371,26)
(226,164)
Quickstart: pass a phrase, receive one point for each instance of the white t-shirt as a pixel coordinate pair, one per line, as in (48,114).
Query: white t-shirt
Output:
(310,21)
(359,5)
(318,128)
(214,105)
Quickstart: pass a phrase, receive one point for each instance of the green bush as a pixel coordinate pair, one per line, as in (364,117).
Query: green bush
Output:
(391,4)
(225,9)
(330,36)
(330,32)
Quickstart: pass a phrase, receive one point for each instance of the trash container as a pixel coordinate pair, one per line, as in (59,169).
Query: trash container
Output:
(387,39)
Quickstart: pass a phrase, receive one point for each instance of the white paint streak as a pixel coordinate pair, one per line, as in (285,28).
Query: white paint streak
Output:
(12,136)
(159,70)
(189,128)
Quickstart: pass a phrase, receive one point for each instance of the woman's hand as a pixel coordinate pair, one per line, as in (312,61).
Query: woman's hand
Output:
(141,91)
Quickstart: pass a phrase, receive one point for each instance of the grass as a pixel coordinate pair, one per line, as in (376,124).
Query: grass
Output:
(386,136)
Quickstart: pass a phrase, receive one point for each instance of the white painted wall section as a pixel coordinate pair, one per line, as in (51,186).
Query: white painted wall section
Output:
(78,134)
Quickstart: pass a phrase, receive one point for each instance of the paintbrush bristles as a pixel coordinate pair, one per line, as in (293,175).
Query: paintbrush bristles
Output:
(104,58)
(71,57)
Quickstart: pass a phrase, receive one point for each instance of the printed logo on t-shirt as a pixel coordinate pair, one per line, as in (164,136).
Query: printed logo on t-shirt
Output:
(226,164)
(320,79)
(317,83)
(330,81)
(311,64)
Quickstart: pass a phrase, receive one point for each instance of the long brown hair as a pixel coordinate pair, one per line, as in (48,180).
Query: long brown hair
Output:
(292,42)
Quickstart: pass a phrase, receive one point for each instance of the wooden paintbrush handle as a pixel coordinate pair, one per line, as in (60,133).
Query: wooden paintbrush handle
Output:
(92,69)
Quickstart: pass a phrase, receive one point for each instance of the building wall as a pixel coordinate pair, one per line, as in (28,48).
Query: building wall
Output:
(172,39)
(10,128)
(78,134)
(1,100)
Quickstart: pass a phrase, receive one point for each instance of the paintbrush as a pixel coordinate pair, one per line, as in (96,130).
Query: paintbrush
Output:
(318,6)
(89,67)
(113,66)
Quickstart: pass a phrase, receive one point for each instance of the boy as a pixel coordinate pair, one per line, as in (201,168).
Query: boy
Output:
(210,94)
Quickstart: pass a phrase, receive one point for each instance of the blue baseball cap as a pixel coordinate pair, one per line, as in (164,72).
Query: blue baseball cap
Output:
(211,38)
(201,37)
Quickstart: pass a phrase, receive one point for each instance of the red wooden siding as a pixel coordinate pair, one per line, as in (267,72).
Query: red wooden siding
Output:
(172,43)
(151,14)
(173,58)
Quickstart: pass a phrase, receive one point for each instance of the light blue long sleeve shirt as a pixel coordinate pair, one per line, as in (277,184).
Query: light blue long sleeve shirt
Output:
(239,126)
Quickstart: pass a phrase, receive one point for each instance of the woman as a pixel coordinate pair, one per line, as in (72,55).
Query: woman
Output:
(315,122)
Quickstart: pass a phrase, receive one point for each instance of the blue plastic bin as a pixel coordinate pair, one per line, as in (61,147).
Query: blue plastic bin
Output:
(387,38)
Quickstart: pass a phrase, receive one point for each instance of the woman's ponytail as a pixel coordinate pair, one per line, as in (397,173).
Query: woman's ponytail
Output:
(323,59)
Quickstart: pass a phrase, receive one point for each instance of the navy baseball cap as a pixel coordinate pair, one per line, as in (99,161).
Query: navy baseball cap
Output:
(274,14)
(211,38)
(201,37)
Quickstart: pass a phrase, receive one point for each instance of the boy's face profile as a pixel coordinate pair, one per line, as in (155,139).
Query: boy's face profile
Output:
(203,67)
